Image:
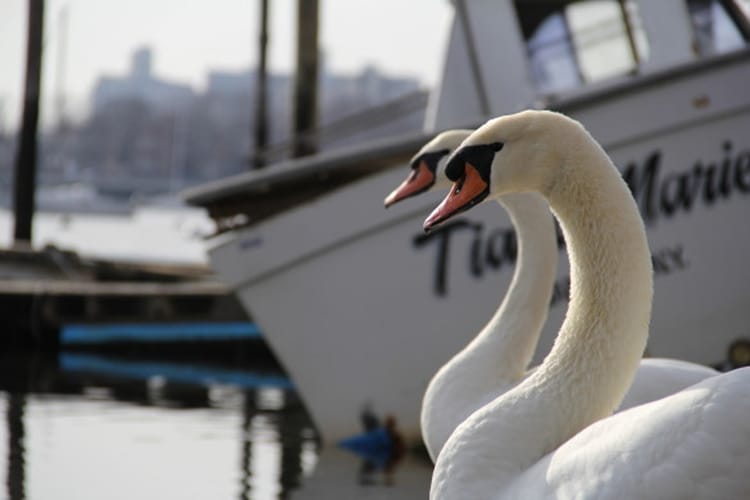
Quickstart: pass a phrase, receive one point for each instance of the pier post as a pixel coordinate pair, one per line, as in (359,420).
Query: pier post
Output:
(26,158)
(306,78)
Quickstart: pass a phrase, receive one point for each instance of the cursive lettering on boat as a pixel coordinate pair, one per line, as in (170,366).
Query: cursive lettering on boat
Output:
(656,193)
(494,251)
(491,251)
(705,183)
(498,248)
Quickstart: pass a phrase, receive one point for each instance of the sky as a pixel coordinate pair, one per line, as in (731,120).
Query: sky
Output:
(191,37)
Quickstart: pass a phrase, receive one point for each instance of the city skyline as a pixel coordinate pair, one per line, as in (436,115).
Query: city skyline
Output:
(143,135)
(353,35)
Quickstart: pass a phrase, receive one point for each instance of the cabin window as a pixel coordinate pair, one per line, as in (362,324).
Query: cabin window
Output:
(570,43)
(719,26)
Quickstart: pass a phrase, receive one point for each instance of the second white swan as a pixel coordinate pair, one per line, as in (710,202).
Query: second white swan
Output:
(552,436)
(497,358)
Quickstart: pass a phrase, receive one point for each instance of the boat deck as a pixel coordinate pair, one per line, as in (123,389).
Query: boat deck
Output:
(263,193)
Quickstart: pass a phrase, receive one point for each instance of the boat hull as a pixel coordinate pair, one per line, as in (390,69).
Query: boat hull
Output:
(362,307)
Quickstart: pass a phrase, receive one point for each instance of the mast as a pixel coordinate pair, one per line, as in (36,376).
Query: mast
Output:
(261,91)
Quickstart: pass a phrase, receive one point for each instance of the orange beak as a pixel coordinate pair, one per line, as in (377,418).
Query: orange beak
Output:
(420,179)
(465,193)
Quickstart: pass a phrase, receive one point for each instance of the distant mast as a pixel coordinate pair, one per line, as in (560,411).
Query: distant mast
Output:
(261,94)
(26,161)
(62,46)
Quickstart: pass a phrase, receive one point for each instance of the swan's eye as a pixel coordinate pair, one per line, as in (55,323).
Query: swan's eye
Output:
(459,186)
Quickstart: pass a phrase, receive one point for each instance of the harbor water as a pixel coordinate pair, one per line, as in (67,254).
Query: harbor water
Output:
(172,234)
(87,425)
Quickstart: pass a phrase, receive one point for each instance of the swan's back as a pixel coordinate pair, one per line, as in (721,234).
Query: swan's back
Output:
(693,444)
(658,378)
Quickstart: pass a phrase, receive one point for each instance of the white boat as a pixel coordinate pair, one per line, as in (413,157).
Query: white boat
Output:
(362,307)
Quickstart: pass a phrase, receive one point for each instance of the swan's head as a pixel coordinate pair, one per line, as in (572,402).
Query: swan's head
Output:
(428,166)
(510,154)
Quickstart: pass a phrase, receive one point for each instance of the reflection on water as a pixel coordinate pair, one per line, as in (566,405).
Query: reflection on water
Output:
(80,426)
(15,442)
(336,476)
(90,426)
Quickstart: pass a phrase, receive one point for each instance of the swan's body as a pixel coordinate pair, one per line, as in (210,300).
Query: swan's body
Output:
(687,446)
(693,444)
(496,360)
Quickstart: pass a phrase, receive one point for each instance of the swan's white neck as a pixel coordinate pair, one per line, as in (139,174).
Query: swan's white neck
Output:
(515,327)
(599,346)
(496,359)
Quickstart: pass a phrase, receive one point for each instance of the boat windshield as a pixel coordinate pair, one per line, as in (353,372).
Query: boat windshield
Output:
(719,26)
(572,42)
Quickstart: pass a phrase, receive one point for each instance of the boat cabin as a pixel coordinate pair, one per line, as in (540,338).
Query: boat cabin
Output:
(505,56)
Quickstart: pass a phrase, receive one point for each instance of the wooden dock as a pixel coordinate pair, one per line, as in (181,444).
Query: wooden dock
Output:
(40,291)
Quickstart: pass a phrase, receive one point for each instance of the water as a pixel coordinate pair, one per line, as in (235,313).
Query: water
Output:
(89,425)
(159,234)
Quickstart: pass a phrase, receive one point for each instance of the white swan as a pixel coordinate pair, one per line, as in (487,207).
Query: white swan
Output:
(497,358)
(544,438)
